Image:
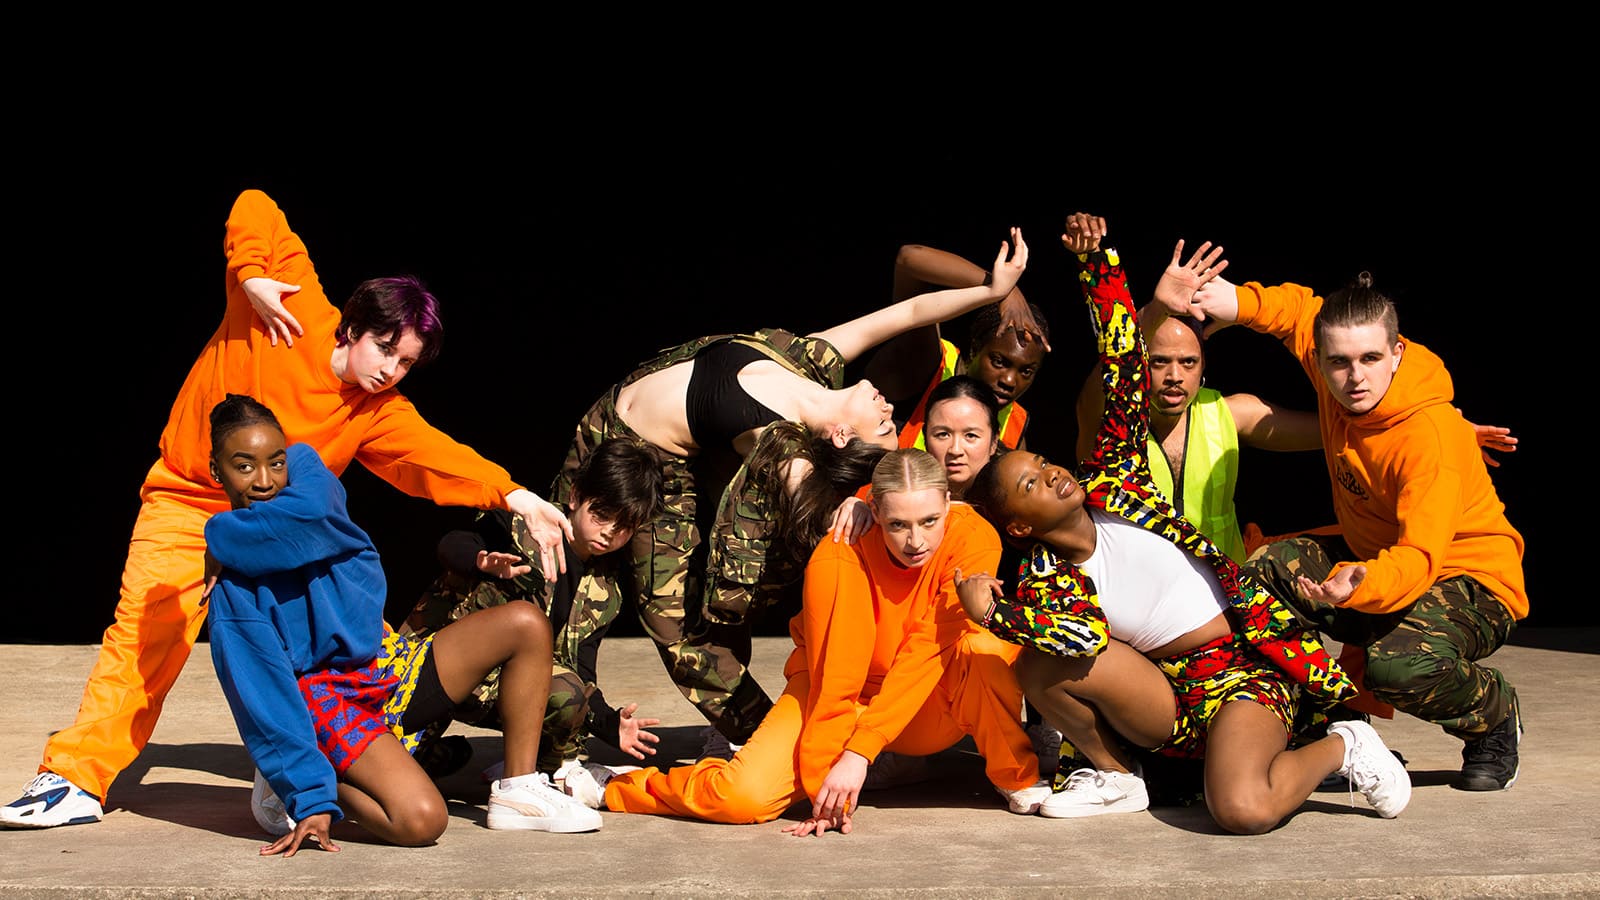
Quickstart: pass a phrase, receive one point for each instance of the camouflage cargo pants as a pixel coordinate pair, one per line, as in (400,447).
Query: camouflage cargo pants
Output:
(709,662)
(1422,660)
(454,596)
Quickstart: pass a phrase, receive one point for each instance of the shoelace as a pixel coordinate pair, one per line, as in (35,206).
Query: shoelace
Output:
(1082,777)
(39,781)
(1360,778)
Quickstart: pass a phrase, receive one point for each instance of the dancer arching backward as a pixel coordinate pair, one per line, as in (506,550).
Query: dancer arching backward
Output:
(721,395)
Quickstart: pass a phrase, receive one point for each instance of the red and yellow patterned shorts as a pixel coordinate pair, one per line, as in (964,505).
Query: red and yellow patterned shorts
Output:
(350,708)
(1220,672)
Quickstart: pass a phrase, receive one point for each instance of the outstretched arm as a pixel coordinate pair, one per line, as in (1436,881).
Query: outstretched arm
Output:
(857,336)
(1268,426)
(1493,437)
(902,365)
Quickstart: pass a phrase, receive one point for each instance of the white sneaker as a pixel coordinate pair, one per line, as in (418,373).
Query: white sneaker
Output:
(586,781)
(268,809)
(891,770)
(50,800)
(530,803)
(1025,801)
(1096,792)
(717,745)
(1047,744)
(1372,769)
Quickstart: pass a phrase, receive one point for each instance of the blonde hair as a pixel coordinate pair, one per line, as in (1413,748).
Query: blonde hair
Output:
(908,469)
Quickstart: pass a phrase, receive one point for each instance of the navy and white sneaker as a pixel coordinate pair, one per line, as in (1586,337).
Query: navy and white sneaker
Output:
(50,800)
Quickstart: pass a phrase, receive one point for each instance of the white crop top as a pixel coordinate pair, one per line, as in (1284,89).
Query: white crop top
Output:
(1151,591)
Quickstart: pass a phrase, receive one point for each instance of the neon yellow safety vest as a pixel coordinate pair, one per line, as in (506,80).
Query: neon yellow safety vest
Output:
(1210,471)
(1013,418)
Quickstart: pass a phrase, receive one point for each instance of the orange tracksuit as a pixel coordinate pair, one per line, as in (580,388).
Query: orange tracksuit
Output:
(160,613)
(885,658)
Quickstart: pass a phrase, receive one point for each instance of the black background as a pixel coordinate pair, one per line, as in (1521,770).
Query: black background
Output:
(563,255)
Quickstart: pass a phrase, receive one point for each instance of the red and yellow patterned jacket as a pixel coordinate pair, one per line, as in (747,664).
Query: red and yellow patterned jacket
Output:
(1055,608)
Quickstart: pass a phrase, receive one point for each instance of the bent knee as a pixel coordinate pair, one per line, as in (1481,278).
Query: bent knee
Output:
(527,622)
(1242,815)
(420,822)
(742,801)
(1407,675)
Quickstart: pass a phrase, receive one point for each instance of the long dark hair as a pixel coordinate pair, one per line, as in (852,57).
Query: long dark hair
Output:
(836,473)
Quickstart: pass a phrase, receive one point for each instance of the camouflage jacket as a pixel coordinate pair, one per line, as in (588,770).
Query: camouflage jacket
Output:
(739,577)
(581,605)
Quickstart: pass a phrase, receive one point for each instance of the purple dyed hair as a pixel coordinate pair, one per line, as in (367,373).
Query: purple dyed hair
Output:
(387,307)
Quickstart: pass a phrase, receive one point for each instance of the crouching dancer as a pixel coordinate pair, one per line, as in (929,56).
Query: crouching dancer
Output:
(884,658)
(323,692)
(1136,624)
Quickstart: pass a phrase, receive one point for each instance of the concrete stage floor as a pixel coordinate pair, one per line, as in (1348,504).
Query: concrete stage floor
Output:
(179,823)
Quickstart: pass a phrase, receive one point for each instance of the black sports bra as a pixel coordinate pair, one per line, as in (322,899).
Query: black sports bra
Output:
(717,406)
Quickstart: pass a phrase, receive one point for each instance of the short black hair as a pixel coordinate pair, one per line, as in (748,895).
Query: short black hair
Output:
(621,480)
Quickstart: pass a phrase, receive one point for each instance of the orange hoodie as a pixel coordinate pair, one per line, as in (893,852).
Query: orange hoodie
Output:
(1410,488)
(343,422)
(875,632)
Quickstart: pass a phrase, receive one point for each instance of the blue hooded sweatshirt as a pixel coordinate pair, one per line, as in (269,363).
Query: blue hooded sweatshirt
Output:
(301,590)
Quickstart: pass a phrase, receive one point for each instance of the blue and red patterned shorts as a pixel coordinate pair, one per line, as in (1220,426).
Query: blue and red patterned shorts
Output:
(1220,672)
(350,708)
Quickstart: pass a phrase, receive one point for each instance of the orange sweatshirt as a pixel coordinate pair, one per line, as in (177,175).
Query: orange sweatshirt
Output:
(873,632)
(343,422)
(1410,488)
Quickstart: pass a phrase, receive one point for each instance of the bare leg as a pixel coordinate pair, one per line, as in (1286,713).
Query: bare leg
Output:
(517,638)
(1252,781)
(387,793)
(1094,700)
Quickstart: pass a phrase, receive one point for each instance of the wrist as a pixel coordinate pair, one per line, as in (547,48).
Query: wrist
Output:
(988,615)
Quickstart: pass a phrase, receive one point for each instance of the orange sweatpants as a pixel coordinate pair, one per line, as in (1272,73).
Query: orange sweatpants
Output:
(141,654)
(978,695)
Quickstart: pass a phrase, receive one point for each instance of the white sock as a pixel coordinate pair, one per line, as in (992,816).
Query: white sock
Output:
(519,781)
(1349,745)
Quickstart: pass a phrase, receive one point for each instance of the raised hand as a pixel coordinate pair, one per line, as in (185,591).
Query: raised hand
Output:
(1007,271)
(1083,233)
(266,296)
(1179,282)
(1017,316)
